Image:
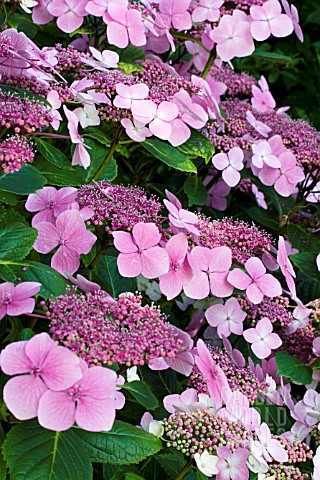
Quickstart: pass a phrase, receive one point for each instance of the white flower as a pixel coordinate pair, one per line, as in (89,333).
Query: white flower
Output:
(132,374)
(156,428)
(206,463)
(26,5)
(88,116)
(265,476)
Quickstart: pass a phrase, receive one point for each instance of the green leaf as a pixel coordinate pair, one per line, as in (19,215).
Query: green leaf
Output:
(16,241)
(130,67)
(21,93)
(264,217)
(98,153)
(16,328)
(306,262)
(74,177)
(3,466)
(272,56)
(7,274)
(52,283)
(110,278)
(8,198)
(83,30)
(25,334)
(275,417)
(52,154)
(132,476)
(172,463)
(130,54)
(195,190)
(142,393)
(27,180)
(302,240)
(293,368)
(198,146)
(123,445)
(98,135)
(169,155)
(34,453)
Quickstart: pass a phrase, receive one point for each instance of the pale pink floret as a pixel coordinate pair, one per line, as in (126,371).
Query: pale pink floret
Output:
(260,127)
(286,266)
(102,60)
(207,10)
(238,409)
(232,466)
(175,13)
(186,402)
(136,130)
(268,20)
(218,386)
(217,195)
(262,99)
(292,12)
(80,155)
(127,94)
(189,114)
(90,402)
(55,102)
(72,237)
(262,155)
(180,218)
(233,36)
(228,317)
(41,365)
(262,340)
(180,272)
(70,13)
(50,202)
(158,116)
(18,61)
(124,26)
(140,252)
(16,300)
(258,283)
(40,14)
(271,448)
(210,268)
(230,164)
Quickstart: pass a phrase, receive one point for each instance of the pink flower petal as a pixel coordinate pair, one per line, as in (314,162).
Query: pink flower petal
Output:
(61,369)
(124,243)
(14,359)
(95,415)
(198,288)
(65,260)
(129,265)
(56,411)
(239,279)
(146,235)
(154,262)
(22,394)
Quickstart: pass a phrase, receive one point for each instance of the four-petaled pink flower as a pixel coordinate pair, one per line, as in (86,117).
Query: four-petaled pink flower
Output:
(262,155)
(232,466)
(258,283)
(140,252)
(233,36)
(286,266)
(175,12)
(50,202)
(210,268)
(179,217)
(16,300)
(180,272)
(189,113)
(268,20)
(260,127)
(158,116)
(70,13)
(80,155)
(217,382)
(127,94)
(124,25)
(207,10)
(238,409)
(72,237)
(230,164)
(136,130)
(262,98)
(271,448)
(228,317)
(217,195)
(91,402)
(40,365)
(262,340)
(292,13)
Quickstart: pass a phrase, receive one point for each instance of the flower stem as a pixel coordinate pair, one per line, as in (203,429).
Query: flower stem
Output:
(55,135)
(184,36)
(185,470)
(111,151)
(209,63)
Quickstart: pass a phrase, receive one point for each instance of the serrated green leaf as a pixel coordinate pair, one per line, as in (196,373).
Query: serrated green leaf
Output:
(74,177)
(34,453)
(195,190)
(142,393)
(293,368)
(172,463)
(26,180)
(198,146)
(123,445)
(169,155)
(306,262)
(52,154)
(16,241)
